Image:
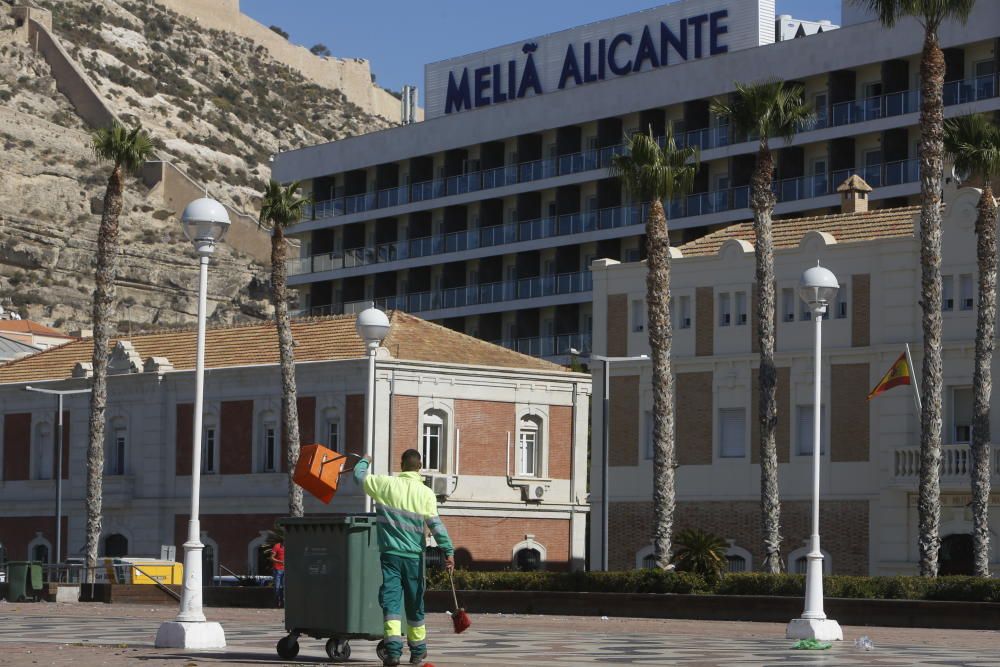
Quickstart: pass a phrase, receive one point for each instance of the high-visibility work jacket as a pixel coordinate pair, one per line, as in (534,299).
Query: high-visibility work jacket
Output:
(405,509)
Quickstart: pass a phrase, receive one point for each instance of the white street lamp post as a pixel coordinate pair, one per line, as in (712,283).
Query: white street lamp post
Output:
(205,223)
(59,455)
(817,287)
(372,326)
(605,437)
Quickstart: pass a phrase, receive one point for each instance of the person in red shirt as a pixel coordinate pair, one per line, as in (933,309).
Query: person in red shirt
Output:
(278,565)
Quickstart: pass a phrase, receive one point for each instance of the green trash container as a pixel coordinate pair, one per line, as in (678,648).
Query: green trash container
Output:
(24,581)
(332,578)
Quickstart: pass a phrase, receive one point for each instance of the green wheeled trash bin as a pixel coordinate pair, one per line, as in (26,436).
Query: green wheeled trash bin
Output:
(332,578)
(24,581)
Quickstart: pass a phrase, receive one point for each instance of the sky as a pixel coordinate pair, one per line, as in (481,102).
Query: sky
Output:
(400,36)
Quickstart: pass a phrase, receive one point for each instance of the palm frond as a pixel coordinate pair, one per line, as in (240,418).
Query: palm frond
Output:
(123,147)
(973,142)
(930,13)
(765,109)
(282,206)
(650,171)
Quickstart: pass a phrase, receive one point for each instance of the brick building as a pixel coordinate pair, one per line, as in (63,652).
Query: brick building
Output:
(870,465)
(504,437)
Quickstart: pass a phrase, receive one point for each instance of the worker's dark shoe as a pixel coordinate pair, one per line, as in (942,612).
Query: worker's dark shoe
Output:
(390,661)
(418,659)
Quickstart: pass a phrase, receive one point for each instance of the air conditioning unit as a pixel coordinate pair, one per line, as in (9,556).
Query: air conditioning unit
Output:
(533,493)
(441,485)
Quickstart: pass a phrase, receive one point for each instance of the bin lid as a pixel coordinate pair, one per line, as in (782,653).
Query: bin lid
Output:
(329,520)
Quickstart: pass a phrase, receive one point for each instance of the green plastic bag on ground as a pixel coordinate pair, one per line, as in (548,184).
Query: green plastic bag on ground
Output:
(811,645)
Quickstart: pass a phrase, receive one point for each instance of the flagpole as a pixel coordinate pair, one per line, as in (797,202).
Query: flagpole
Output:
(913,381)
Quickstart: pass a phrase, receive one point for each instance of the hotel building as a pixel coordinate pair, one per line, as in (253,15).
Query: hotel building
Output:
(487,215)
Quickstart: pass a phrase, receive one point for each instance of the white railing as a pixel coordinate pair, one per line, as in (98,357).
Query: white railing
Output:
(956,462)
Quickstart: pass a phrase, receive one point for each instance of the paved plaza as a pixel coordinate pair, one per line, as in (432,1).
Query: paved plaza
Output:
(51,634)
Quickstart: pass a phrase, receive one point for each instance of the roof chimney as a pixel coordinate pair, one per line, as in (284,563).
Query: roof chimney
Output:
(854,195)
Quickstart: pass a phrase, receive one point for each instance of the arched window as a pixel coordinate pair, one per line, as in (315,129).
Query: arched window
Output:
(42,449)
(258,558)
(529,555)
(798,561)
(529,446)
(433,439)
(269,450)
(645,558)
(40,549)
(117,443)
(738,559)
(116,546)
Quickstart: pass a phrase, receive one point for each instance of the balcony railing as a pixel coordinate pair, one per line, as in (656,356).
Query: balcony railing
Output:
(548,346)
(956,462)
(718,201)
(842,113)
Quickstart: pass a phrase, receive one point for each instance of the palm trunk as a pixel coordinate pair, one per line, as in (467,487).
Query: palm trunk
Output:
(762,203)
(104,297)
(932,69)
(289,404)
(660,338)
(982,382)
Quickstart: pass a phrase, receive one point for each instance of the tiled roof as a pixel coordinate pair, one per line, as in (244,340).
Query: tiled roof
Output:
(27,326)
(845,227)
(317,339)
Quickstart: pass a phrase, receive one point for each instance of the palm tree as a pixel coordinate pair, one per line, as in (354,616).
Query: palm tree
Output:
(282,207)
(766,109)
(974,144)
(651,174)
(931,14)
(701,553)
(127,150)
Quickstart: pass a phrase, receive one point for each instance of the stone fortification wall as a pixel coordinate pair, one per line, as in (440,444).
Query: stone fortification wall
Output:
(352,76)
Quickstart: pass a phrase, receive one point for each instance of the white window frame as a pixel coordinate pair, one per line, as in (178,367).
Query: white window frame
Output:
(209,542)
(252,549)
(39,540)
(638,315)
(433,419)
(332,433)
(530,543)
(966,292)
(789,304)
(740,552)
(740,308)
(948,294)
(209,449)
(270,444)
(117,450)
(953,435)
(641,555)
(841,309)
(743,444)
(684,311)
(529,464)
(725,309)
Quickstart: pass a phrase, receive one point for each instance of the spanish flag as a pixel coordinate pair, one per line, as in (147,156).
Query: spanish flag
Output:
(897,375)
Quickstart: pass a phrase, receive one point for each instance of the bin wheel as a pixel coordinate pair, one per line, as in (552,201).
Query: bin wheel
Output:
(381,651)
(288,647)
(338,651)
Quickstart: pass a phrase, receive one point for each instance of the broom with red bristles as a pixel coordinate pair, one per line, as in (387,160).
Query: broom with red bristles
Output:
(459,618)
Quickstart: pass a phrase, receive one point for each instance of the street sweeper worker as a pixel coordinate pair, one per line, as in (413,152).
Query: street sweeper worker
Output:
(405,509)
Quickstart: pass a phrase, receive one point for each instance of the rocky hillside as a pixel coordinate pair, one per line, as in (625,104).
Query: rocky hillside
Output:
(217,106)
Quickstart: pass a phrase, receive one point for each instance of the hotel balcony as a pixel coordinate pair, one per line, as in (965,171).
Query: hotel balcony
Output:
(956,466)
(838,115)
(732,199)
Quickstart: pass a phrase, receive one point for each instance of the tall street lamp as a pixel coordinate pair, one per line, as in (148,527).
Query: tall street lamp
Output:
(205,224)
(817,287)
(59,455)
(372,326)
(605,421)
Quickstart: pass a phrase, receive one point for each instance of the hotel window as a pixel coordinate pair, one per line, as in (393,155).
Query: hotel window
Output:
(684,319)
(965,290)
(638,315)
(788,305)
(961,414)
(732,433)
(209,451)
(432,440)
(947,293)
(725,310)
(269,447)
(741,308)
(529,445)
(840,304)
(804,429)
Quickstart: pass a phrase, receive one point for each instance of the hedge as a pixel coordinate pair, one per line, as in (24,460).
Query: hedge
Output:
(965,589)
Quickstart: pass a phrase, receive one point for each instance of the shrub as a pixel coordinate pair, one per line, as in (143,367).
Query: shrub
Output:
(633,581)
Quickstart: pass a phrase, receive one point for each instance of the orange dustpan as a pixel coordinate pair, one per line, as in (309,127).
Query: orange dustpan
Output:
(319,469)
